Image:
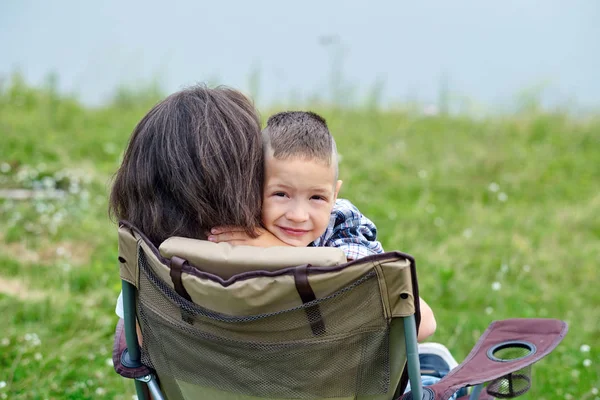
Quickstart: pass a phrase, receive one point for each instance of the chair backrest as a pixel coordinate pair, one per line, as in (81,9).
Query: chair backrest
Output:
(238,322)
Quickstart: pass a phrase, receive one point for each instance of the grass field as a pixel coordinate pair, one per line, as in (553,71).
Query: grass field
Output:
(502,214)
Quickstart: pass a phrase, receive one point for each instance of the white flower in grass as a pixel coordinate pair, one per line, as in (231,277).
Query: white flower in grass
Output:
(496,286)
(2,384)
(526,268)
(37,356)
(109,362)
(502,197)
(594,391)
(467,233)
(493,187)
(584,348)
(575,373)
(5,341)
(41,208)
(423,174)
(100,391)
(489,310)
(74,187)
(587,362)
(5,168)
(48,183)
(33,339)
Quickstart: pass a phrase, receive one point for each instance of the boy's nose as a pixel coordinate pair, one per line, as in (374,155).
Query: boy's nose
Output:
(297,214)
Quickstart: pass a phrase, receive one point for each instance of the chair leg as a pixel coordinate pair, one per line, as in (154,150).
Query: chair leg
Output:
(151,387)
(412,355)
(155,389)
(142,390)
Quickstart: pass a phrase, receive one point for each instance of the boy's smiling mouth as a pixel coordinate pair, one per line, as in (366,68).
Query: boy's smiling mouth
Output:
(294,231)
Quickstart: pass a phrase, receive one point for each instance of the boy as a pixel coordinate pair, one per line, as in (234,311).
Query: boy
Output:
(301,186)
(300,204)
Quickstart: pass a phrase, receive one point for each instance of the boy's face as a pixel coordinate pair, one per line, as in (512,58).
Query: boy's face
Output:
(298,198)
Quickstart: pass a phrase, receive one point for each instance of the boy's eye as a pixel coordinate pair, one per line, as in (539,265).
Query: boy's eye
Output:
(316,197)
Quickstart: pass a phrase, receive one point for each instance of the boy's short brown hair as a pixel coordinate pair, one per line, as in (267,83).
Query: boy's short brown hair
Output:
(302,134)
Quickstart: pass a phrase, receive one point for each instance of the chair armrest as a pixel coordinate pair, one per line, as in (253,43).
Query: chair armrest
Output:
(503,356)
(119,349)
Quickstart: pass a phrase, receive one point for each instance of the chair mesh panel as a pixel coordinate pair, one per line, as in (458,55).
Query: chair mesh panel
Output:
(511,385)
(269,355)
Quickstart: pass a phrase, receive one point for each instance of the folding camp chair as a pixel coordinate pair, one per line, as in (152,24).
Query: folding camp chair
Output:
(238,322)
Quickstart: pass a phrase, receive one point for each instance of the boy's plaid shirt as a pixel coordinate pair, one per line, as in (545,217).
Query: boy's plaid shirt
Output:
(351,231)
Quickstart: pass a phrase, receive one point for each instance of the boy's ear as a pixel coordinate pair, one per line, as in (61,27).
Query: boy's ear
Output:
(338,185)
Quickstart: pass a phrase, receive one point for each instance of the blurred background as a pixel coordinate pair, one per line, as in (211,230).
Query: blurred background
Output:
(483,52)
(469,133)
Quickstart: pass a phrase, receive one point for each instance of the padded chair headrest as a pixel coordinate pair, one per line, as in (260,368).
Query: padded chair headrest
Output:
(216,263)
(225,260)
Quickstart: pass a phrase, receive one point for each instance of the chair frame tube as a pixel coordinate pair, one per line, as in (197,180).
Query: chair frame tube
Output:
(412,356)
(133,346)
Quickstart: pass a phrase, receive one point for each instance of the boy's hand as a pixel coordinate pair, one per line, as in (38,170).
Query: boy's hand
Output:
(237,236)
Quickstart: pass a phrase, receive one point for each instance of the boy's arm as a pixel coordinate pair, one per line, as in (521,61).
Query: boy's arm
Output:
(428,324)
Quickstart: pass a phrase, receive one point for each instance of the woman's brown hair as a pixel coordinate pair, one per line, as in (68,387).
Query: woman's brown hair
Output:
(195,161)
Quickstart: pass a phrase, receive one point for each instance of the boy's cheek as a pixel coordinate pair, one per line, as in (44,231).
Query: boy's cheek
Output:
(267,213)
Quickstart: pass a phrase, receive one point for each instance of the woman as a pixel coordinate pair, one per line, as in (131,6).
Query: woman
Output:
(194,162)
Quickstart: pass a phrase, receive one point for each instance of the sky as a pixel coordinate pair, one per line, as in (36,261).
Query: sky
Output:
(484,51)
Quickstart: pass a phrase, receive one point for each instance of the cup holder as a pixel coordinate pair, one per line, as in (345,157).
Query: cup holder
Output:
(511,351)
(516,383)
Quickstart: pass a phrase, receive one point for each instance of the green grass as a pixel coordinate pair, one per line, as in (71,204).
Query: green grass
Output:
(504,202)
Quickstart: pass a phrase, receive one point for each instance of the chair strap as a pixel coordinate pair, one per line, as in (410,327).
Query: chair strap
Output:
(307,295)
(176,269)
